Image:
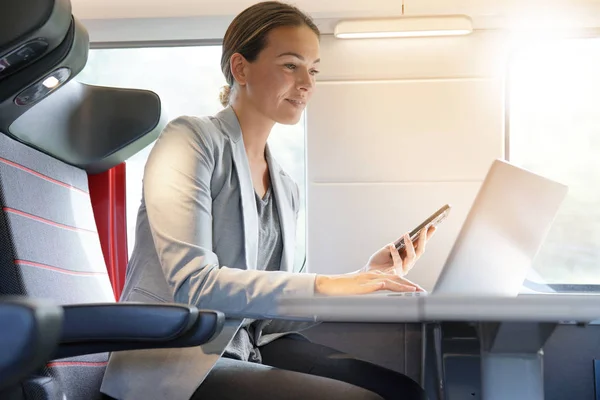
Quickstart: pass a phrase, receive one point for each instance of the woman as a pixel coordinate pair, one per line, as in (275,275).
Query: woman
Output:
(216,228)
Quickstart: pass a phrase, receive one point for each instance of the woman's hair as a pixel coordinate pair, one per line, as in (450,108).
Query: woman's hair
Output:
(247,34)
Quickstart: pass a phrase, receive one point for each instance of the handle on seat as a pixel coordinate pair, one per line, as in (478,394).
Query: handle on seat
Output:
(30,332)
(106,327)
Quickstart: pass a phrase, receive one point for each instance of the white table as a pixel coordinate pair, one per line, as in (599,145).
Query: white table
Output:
(512,330)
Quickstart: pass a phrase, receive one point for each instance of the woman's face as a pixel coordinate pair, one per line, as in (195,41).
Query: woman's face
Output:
(280,82)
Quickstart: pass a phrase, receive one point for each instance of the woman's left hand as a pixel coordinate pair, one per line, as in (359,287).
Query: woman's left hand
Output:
(389,260)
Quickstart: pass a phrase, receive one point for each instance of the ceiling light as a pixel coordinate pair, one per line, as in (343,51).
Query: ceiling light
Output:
(413,26)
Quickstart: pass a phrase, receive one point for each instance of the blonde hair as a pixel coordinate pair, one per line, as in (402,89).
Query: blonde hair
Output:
(225,95)
(247,35)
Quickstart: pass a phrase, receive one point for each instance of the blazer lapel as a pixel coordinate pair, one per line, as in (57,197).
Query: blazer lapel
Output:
(242,169)
(285,211)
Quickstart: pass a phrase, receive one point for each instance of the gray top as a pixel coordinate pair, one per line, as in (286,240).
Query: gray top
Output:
(270,243)
(270,247)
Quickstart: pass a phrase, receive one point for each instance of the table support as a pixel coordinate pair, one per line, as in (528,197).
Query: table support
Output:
(512,360)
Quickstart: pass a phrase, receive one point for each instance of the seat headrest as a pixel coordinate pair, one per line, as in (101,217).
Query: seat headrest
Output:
(92,127)
(41,105)
(29,29)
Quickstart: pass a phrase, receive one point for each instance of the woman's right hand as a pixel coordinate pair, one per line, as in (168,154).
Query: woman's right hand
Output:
(363,283)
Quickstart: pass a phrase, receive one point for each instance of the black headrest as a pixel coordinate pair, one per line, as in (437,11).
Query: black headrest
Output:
(92,127)
(42,106)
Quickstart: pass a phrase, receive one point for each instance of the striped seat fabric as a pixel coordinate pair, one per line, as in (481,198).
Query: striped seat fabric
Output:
(49,249)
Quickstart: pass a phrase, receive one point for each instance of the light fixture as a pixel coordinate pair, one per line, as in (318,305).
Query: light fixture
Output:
(43,87)
(403,26)
(447,25)
(50,82)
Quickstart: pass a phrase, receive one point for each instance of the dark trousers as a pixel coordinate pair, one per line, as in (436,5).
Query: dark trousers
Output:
(296,369)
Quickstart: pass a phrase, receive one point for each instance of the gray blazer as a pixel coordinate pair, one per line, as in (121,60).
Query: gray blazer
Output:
(196,243)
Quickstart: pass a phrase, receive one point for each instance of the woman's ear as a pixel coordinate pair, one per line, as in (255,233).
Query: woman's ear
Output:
(239,70)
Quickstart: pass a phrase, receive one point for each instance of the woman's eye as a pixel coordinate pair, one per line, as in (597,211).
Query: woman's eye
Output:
(290,66)
(314,72)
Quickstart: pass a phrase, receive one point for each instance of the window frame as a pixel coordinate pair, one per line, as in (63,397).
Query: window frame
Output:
(545,288)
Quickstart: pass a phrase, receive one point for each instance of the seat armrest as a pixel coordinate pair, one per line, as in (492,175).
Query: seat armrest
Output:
(29,332)
(126,321)
(107,327)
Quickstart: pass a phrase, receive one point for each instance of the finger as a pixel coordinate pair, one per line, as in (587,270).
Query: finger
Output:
(421,242)
(400,239)
(410,250)
(408,282)
(398,279)
(385,284)
(396,259)
(389,284)
(431,231)
(370,287)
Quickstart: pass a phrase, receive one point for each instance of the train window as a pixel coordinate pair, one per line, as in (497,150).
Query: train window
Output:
(553,128)
(188,79)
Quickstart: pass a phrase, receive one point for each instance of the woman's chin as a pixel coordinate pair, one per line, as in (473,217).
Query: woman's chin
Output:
(289,118)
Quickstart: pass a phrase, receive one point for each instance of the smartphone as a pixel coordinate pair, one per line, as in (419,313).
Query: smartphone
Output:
(433,220)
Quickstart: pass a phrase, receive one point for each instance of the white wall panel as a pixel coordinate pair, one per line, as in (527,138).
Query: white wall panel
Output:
(350,222)
(396,129)
(405,131)
(479,54)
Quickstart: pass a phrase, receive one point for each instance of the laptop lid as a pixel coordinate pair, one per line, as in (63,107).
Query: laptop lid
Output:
(504,230)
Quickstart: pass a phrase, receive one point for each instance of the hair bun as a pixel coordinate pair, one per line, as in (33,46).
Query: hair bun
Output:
(224,95)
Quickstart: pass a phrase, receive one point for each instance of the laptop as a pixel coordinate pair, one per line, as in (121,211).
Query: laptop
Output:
(503,232)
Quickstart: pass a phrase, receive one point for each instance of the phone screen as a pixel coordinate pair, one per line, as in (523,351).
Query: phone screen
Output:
(433,220)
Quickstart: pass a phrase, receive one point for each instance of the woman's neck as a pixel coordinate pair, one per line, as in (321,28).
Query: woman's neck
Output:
(255,130)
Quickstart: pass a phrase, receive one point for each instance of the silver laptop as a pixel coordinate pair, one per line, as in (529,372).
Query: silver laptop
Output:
(503,232)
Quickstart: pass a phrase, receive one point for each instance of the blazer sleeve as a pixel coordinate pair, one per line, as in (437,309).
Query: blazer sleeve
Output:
(177,193)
